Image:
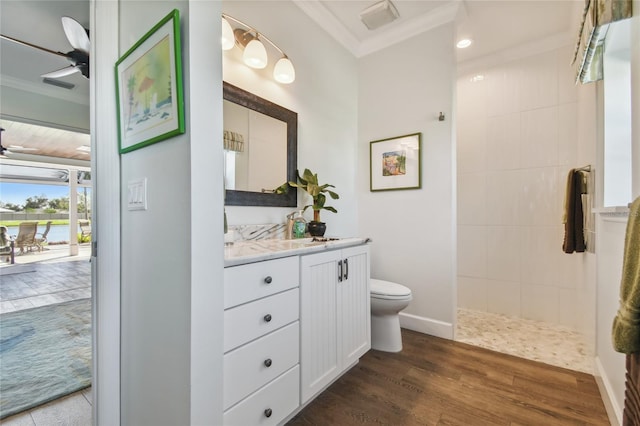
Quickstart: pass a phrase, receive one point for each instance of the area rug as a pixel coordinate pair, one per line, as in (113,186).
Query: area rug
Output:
(17,269)
(45,353)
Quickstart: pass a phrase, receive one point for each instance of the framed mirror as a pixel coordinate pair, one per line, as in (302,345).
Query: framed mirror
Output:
(261,149)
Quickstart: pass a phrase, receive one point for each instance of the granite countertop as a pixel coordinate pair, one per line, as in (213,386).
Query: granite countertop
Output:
(242,252)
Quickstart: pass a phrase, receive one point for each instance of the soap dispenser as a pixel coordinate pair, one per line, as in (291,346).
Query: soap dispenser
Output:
(299,225)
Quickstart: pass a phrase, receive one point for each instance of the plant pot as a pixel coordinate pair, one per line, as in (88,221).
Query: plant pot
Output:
(317,229)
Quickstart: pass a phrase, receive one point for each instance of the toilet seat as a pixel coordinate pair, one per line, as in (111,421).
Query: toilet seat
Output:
(388,290)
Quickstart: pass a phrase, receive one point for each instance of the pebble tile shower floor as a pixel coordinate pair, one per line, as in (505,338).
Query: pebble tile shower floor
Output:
(534,340)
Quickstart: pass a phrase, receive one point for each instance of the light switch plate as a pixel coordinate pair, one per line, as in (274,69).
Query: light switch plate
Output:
(137,194)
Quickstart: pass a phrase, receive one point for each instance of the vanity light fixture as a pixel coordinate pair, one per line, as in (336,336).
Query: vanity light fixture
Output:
(255,54)
(228,40)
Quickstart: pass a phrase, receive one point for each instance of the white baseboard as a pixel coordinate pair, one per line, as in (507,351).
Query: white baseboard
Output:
(604,386)
(427,325)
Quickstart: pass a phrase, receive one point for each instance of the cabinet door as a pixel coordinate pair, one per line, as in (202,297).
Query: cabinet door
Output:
(319,361)
(354,305)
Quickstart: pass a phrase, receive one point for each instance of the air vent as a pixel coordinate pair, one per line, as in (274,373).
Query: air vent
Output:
(379,14)
(58,83)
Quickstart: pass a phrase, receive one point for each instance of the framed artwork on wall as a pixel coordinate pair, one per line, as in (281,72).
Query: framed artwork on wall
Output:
(395,163)
(149,87)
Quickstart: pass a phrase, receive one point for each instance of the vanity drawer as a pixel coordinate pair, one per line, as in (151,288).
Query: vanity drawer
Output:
(255,364)
(256,280)
(252,320)
(278,399)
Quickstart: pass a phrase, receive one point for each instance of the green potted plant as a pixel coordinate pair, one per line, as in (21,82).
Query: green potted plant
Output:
(309,182)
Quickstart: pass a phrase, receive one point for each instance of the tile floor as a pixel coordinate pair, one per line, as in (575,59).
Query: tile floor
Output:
(538,341)
(54,277)
(47,283)
(71,410)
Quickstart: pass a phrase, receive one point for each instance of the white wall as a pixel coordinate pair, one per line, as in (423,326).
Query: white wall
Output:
(610,365)
(519,134)
(402,90)
(105,290)
(155,300)
(171,333)
(611,232)
(206,239)
(325,97)
(587,154)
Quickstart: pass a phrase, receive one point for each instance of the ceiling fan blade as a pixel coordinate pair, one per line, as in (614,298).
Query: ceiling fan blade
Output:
(24,43)
(76,34)
(61,72)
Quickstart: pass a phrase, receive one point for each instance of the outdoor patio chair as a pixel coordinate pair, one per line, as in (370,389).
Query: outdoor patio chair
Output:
(26,238)
(6,245)
(85,229)
(43,236)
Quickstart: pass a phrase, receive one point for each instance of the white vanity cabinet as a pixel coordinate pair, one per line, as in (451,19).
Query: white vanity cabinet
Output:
(261,342)
(335,315)
(293,323)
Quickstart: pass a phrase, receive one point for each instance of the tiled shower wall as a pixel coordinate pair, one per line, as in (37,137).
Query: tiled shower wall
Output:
(517,138)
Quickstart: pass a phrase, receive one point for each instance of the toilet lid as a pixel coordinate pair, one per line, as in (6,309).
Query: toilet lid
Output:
(387,288)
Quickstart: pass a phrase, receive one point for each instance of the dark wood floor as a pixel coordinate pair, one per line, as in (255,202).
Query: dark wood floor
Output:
(441,382)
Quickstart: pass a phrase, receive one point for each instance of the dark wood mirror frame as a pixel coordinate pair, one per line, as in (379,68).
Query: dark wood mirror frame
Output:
(241,97)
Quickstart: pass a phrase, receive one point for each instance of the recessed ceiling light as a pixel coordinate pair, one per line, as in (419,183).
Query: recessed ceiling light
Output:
(477,78)
(465,42)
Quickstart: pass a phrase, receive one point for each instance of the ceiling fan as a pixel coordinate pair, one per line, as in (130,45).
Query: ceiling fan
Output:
(78,37)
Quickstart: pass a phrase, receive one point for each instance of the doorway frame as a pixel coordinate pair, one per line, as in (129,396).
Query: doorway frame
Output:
(105,254)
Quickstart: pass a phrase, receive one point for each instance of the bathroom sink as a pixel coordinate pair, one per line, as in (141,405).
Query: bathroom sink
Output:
(297,243)
(313,241)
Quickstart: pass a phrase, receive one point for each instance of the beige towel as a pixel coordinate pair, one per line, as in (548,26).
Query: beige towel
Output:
(626,324)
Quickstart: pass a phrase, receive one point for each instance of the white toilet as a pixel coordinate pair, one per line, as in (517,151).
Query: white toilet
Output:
(387,300)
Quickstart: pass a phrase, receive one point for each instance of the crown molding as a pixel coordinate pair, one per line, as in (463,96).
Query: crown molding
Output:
(325,19)
(411,28)
(382,39)
(43,89)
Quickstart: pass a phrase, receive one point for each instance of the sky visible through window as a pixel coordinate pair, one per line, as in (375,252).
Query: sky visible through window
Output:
(17,193)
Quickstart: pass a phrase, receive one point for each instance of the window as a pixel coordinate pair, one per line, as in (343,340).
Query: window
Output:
(617,115)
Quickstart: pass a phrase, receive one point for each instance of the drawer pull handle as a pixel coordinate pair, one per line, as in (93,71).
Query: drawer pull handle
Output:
(268,280)
(267,362)
(268,412)
(267,318)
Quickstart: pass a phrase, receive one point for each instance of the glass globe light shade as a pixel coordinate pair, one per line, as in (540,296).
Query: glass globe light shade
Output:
(255,55)
(227,35)
(284,72)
